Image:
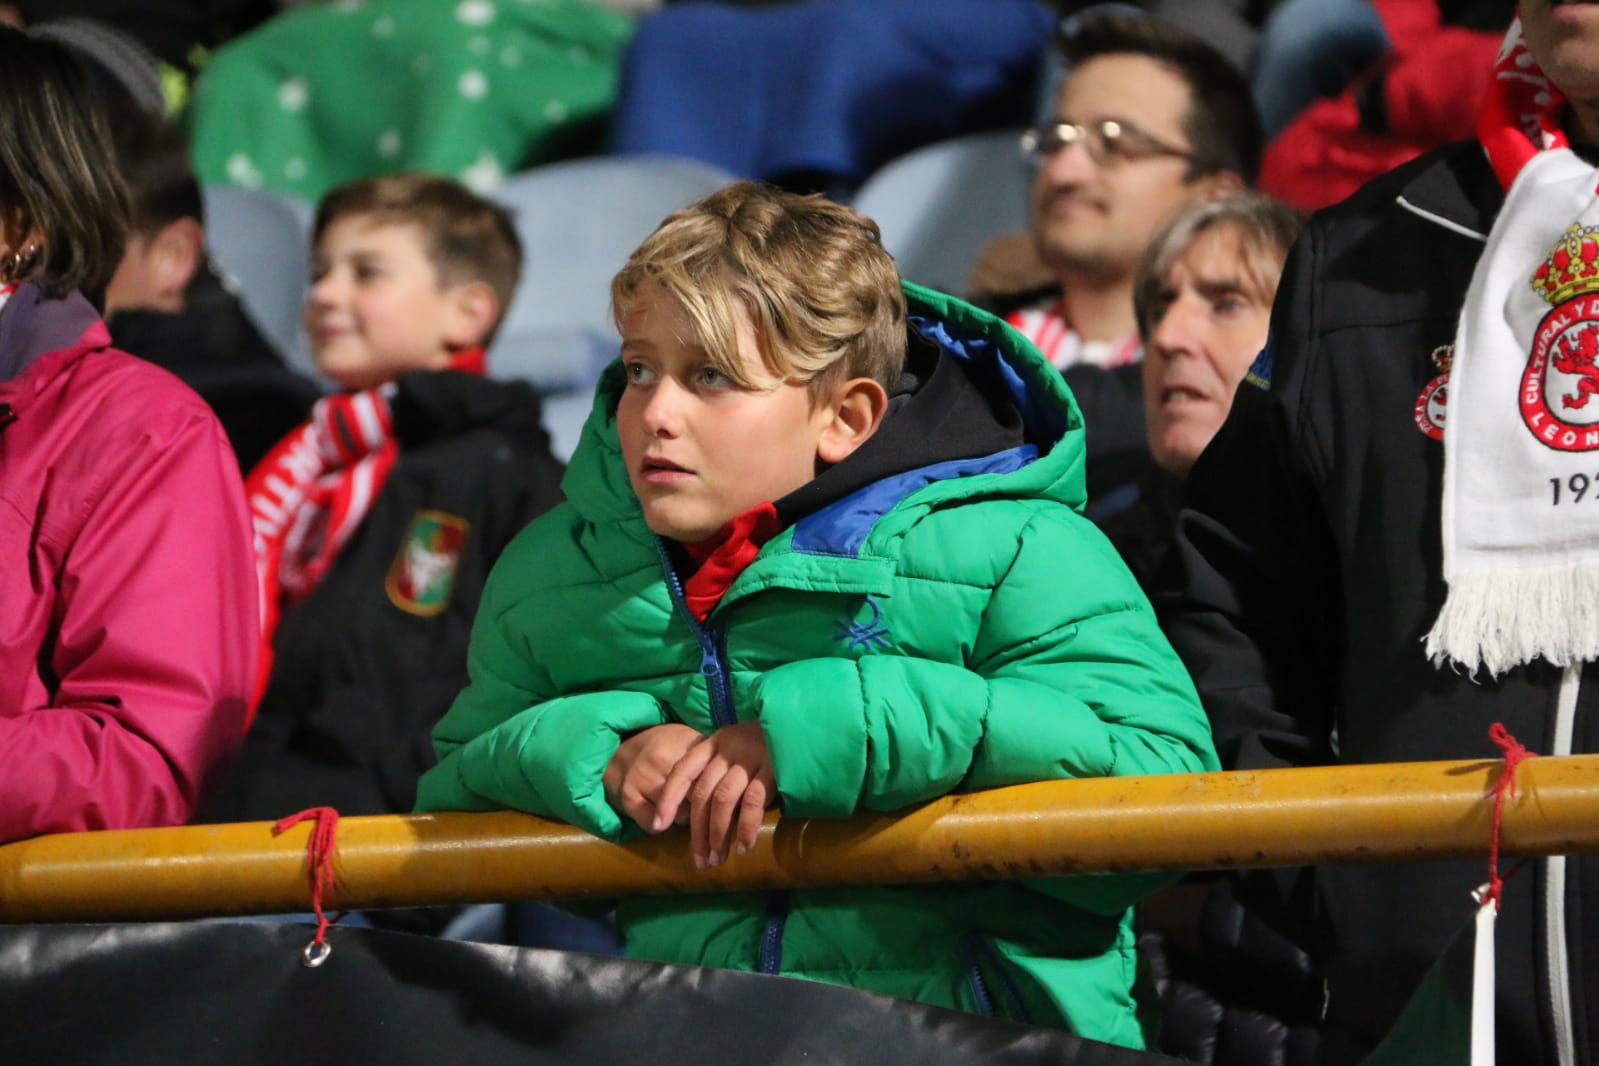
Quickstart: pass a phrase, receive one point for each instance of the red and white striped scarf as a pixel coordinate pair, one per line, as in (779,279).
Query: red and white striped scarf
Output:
(311,492)
(1052,334)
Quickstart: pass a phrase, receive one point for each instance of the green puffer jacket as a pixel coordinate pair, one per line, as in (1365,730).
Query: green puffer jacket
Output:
(957,627)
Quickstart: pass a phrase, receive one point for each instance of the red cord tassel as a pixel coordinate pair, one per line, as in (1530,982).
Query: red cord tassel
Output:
(319,870)
(1515,755)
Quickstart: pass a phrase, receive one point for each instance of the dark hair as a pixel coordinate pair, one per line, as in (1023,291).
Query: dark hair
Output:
(58,175)
(1222,124)
(153,157)
(467,237)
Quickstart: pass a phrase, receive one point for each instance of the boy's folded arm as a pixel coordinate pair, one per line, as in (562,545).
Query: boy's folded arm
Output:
(503,675)
(1083,683)
(1069,677)
(547,760)
(507,741)
(881,732)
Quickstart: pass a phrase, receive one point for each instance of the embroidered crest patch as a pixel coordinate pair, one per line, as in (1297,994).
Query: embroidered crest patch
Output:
(1561,378)
(422,575)
(1432,404)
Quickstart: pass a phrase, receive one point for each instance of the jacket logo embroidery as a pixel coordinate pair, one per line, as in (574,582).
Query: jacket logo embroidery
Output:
(1432,404)
(1259,372)
(422,575)
(862,636)
(1561,376)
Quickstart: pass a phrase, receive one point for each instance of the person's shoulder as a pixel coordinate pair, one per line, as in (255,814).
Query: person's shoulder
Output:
(106,419)
(127,391)
(458,415)
(452,398)
(1400,250)
(977,540)
(560,552)
(1451,186)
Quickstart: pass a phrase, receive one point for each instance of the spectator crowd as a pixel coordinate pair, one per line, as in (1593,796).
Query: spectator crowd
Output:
(1260,444)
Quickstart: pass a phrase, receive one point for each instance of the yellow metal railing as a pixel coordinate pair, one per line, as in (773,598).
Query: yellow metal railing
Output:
(1179,821)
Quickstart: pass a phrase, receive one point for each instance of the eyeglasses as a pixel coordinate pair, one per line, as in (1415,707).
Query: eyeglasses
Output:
(1109,141)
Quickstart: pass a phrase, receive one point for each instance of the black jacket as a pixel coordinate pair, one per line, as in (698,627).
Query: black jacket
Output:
(1310,561)
(362,669)
(218,352)
(1120,472)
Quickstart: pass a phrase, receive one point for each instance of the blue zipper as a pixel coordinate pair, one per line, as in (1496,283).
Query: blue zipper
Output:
(719,683)
(769,960)
(713,647)
(975,951)
(974,978)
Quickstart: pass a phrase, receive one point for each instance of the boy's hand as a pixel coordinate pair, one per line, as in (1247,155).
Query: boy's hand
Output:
(728,781)
(638,771)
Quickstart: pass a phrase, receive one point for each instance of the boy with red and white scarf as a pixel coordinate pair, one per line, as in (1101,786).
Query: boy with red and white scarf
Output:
(1392,545)
(377,521)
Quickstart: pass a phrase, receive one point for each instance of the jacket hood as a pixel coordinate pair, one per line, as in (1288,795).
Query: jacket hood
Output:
(1047,464)
(33,324)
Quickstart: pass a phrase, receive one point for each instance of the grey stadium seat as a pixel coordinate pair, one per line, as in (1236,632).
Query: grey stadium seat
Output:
(939,206)
(259,241)
(579,220)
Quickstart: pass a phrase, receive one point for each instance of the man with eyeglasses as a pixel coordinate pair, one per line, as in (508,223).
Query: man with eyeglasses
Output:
(1148,121)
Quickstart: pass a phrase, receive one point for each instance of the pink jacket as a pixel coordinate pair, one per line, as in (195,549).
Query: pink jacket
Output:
(127,586)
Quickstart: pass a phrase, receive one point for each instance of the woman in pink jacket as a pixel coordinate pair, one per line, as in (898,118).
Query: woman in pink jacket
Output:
(127,589)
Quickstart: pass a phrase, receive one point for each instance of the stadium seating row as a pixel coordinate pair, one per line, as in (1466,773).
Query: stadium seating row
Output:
(578,221)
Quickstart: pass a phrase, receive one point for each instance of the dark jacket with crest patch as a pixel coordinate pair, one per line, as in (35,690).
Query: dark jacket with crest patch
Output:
(1311,559)
(369,661)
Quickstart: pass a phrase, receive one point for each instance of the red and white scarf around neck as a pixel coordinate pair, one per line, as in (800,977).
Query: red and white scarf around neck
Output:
(1521,444)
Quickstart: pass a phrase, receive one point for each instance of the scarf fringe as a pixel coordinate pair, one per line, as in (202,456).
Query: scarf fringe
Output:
(1497,619)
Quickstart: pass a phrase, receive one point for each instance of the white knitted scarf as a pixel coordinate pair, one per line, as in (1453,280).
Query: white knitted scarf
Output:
(1521,444)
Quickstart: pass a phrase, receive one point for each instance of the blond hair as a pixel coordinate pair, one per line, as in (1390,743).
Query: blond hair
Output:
(465,237)
(812,275)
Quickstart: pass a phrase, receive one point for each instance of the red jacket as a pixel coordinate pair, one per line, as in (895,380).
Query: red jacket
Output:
(127,585)
(1434,84)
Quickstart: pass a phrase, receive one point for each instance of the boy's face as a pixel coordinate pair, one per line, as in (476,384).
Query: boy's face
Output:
(376,308)
(701,450)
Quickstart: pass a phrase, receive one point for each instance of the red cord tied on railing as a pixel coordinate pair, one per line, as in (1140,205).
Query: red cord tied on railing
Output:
(319,871)
(1515,755)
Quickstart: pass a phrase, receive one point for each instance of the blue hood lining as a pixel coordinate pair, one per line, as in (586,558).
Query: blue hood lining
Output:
(1043,421)
(841,528)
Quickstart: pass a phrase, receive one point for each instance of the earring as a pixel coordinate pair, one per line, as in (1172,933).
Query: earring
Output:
(18,265)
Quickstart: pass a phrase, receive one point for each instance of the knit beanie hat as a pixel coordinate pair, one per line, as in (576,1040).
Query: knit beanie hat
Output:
(120,65)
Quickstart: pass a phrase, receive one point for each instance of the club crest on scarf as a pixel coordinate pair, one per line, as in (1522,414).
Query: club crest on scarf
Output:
(1432,406)
(423,573)
(1560,387)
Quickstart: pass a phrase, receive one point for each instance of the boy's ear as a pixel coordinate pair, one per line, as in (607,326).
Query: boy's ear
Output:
(155,271)
(174,256)
(855,411)
(473,310)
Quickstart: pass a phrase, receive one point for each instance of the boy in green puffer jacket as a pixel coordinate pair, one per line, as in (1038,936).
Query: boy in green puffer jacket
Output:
(824,550)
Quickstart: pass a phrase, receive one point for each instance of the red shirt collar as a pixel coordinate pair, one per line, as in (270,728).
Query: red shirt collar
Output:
(722,556)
